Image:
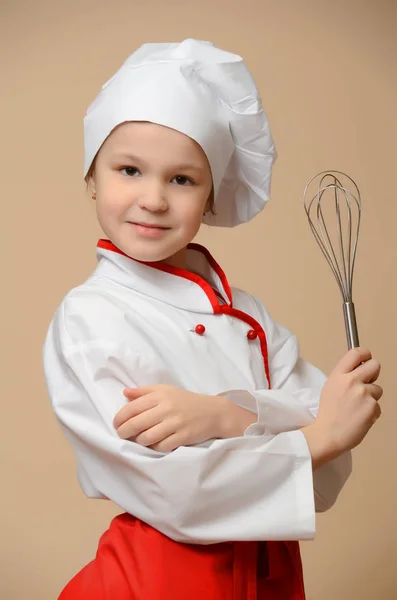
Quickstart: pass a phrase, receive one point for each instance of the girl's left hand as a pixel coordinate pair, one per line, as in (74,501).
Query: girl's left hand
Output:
(165,417)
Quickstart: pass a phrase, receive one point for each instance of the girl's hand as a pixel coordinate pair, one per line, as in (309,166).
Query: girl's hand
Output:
(165,417)
(348,407)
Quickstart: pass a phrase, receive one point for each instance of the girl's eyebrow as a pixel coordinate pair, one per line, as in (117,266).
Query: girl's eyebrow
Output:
(176,167)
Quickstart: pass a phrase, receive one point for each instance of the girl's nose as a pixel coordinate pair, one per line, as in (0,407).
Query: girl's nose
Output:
(153,200)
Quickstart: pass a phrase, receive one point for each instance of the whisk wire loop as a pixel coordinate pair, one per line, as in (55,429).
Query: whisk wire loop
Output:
(341,255)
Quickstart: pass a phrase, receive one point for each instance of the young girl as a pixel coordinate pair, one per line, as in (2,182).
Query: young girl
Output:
(185,403)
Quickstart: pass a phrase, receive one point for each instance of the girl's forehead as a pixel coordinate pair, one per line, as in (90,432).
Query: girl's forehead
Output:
(148,130)
(143,137)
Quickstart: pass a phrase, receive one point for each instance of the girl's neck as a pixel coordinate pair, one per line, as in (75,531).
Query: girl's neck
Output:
(179,259)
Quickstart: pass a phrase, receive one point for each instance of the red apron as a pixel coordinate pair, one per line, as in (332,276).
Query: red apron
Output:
(136,562)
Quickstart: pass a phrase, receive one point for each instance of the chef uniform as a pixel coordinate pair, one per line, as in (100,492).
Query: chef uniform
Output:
(219,520)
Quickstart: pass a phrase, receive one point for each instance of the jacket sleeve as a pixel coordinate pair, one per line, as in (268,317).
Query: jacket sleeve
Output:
(291,403)
(246,488)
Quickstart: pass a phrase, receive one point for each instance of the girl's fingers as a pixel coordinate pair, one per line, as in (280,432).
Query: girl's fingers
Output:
(136,425)
(375,390)
(132,409)
(377,413)
(168,444)
(367,372)
(132,393)
(352,359)
(155,435)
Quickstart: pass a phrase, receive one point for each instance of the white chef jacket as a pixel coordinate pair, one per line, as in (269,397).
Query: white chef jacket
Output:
(133,324)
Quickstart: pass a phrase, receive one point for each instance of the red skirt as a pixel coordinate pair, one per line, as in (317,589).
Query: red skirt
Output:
(136,562)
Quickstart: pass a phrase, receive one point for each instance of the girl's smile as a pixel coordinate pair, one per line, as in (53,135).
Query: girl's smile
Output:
(149,231)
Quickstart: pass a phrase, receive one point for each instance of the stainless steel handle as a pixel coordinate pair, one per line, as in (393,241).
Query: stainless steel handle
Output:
(350,325)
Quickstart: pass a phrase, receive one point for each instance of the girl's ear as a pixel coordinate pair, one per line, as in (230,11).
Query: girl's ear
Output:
(91,187)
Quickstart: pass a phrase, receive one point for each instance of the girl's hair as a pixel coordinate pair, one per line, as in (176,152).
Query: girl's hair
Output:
(210,202)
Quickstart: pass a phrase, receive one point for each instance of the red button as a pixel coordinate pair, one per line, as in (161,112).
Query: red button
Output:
(199,329)
(252,335)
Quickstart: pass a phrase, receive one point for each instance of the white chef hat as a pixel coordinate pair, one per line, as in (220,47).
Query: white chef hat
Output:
(207,94)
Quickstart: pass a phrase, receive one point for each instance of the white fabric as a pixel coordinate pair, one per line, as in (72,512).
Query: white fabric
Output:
(207,94)
(129,325)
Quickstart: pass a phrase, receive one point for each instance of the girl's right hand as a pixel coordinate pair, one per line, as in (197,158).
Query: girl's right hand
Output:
(348,407)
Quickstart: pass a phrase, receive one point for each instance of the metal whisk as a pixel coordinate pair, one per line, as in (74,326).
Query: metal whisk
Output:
(330,194)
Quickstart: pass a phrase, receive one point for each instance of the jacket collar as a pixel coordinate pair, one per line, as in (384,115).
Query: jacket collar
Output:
(195,289)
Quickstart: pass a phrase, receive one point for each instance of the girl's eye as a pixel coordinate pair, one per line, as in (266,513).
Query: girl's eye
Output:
(130,171)
(181,180)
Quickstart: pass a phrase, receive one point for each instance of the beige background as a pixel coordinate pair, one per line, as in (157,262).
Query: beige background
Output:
(327,74)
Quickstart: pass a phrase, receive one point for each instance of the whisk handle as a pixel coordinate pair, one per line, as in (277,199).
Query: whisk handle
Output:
(350,325)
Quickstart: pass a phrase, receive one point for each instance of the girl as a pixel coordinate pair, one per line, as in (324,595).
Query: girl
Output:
(185,403)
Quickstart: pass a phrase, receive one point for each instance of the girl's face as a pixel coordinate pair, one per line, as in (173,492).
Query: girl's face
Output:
(149,175)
